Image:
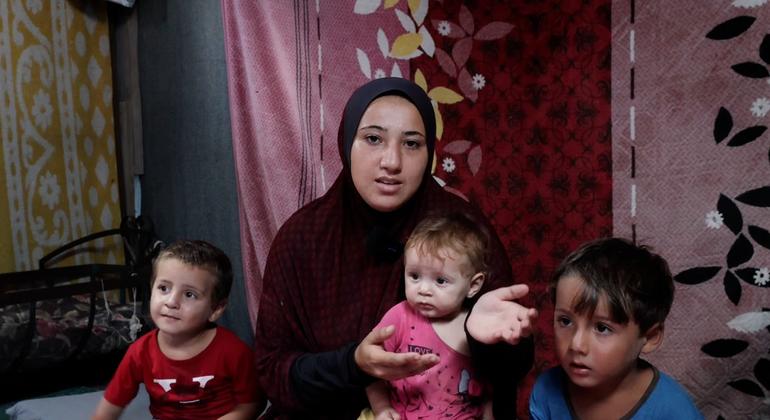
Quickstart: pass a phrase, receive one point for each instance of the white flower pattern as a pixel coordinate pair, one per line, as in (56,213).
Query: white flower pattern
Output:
(448,164)
(49,190)
(379,74)
(748,4)
(714,219)
(479,82)
(760,107)
(762,276)
(41,109)
(444,28)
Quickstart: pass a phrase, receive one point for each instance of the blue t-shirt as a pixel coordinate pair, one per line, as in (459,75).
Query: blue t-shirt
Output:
(664,399)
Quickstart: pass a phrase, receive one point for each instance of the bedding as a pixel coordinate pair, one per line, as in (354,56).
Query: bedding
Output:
(60,325)
(76,407)
(67,324)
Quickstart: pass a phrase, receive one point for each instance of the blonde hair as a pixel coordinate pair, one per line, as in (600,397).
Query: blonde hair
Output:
(460,232)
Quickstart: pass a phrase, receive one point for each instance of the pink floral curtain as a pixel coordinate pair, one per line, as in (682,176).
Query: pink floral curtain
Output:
(291,67)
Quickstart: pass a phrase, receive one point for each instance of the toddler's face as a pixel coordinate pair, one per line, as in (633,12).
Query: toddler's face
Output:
(595,352)
(436,287)
(181,299)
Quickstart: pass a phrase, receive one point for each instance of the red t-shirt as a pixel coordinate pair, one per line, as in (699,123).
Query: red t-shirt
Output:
(206,386)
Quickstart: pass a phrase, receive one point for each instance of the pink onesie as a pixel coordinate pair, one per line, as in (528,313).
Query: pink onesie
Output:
(449,390)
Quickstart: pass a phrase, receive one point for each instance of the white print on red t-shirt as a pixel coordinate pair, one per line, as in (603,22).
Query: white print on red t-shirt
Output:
(183,391)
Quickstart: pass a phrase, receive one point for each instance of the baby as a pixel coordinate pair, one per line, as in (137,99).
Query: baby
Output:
(445,267)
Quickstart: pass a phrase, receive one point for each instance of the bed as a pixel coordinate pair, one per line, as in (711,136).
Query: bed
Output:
(64,325)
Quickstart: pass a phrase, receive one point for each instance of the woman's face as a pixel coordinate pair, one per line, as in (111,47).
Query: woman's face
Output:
(389,153)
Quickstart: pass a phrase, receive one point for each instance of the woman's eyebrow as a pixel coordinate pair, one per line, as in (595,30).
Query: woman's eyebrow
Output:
(380,128)
(414,133)
(373,126)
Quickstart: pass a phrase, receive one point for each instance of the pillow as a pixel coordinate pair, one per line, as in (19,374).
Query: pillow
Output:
(76,407)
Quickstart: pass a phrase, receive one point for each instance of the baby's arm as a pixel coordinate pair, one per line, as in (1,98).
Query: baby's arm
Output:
(380,402)
(107,411)
(242,411)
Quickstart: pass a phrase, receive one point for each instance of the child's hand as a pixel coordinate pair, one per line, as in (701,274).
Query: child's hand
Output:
(496,317)
(372,358)
(388,414)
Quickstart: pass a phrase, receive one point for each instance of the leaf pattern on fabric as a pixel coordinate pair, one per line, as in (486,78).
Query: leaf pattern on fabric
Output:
(762,371)
(494,30)
(732,287)
(366,7)
(747,386)
(724,347)
(466,19)
(419,10)
(465,81)
(750,322)
(751,69)
(444,95)
(696,275)
(759,197)
(457,147)
(405,45)
(747,135)
(462,51)
(731,215)
(760,236)
(722,125)
(363,63)
(731,28)
(747,275)
(446,63)
(740,252)
(764,49)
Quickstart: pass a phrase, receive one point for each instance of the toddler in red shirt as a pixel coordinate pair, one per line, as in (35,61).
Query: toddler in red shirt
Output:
(191,368)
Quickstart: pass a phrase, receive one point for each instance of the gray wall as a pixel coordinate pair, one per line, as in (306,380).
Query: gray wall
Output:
(188,186)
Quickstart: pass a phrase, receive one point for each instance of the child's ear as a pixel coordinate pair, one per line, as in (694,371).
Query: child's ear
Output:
(653,338)
(218,311)
(476,282)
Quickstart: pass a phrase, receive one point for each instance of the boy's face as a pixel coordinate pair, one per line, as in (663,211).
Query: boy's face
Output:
(182,297)
(436,287)
(594,351)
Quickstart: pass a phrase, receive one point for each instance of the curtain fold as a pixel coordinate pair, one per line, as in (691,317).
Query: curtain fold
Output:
(291,67)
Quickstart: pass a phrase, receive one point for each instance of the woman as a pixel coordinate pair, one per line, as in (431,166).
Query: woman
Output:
(336,266)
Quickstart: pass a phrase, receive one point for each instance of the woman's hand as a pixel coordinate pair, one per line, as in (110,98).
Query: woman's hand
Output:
(496,317)
(372,358)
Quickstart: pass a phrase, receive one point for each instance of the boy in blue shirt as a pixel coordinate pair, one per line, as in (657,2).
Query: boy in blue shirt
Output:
(611,299)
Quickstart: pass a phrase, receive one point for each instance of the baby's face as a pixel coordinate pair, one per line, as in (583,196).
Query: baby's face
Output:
(436,285)
(181,299)
(594,350)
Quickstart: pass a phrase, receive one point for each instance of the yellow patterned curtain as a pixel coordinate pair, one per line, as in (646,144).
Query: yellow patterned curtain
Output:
(58,175)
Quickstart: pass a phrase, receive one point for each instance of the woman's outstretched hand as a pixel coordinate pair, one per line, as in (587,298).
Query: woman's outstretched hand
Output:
(497,317)
(372,358)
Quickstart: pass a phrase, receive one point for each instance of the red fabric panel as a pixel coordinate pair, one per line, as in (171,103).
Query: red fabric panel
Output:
(543,123)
